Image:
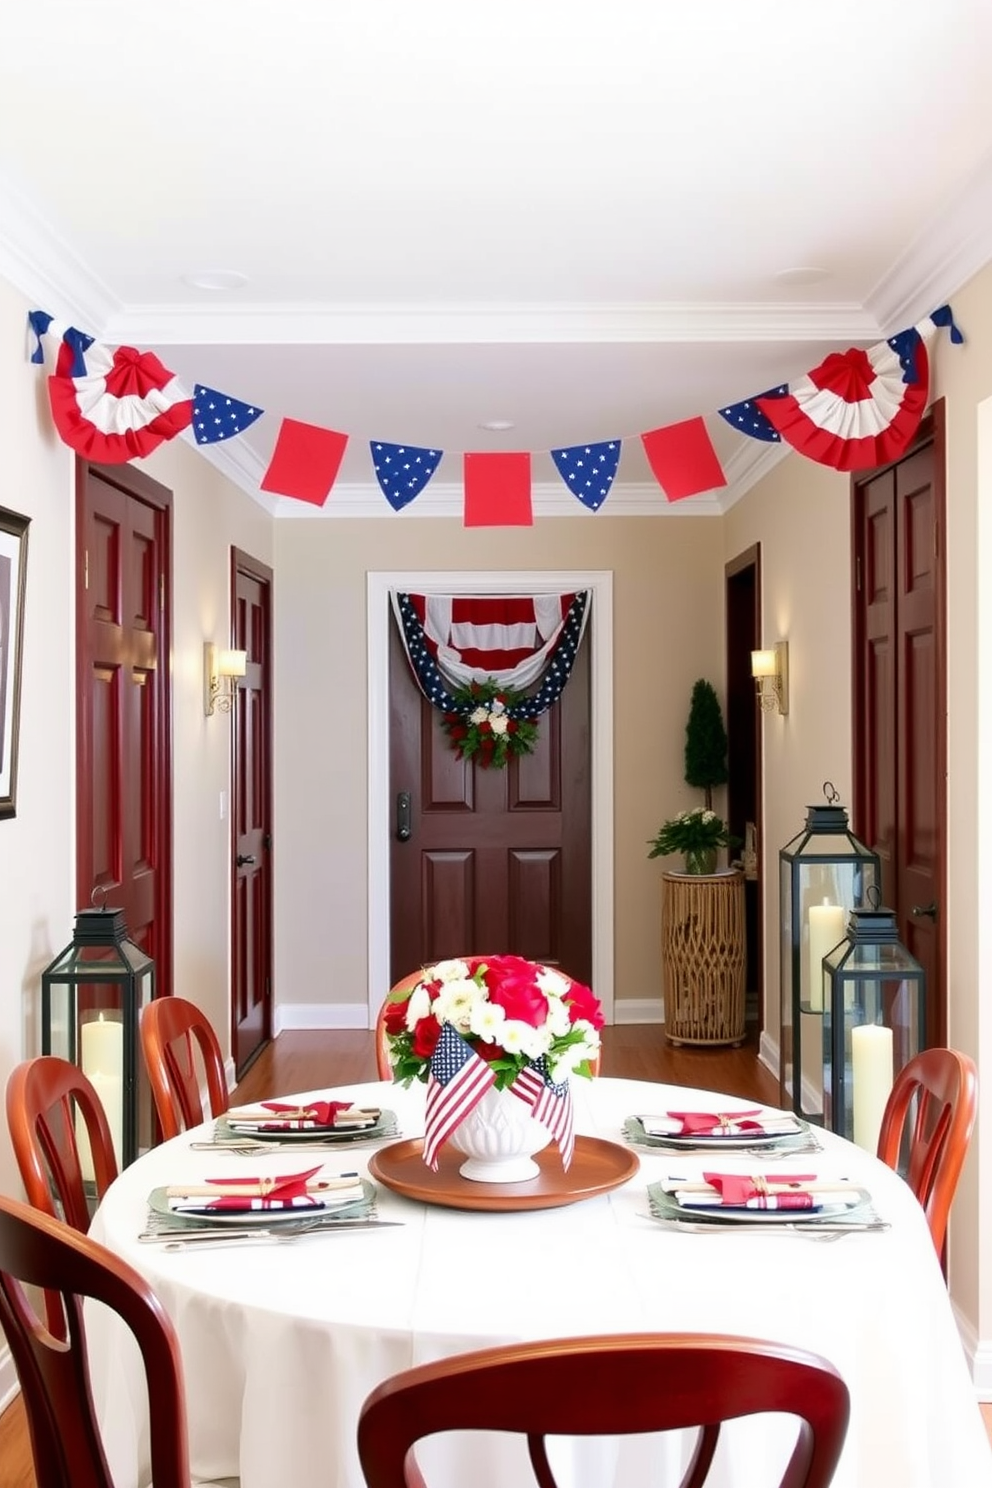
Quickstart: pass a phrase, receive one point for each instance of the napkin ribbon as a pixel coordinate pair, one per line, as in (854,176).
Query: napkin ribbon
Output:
(712,1123)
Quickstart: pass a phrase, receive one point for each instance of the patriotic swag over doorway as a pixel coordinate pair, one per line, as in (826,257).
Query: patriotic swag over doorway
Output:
(857,409)
(472,656)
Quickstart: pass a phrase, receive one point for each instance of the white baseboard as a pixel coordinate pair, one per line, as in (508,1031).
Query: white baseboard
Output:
(768,1054)
(978,1352)
(8,1379)
(301,1015)
(638,1010)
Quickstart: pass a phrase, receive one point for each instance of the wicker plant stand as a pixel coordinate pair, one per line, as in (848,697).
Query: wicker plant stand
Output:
(702,947)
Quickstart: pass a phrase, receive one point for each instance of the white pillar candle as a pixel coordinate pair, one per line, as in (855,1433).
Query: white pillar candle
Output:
(826,928)
(871,1081)
(102,1062)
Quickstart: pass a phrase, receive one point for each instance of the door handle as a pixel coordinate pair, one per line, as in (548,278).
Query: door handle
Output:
(928,911)
(244,858)
(404,831)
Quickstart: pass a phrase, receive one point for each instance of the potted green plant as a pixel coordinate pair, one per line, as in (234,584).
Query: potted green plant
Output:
(705,741)
(696,834)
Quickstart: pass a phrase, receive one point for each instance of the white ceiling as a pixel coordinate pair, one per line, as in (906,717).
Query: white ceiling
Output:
(579,217)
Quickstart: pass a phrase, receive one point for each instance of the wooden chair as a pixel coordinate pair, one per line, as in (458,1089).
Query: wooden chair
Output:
(609,1386)
(43,1097)
(173,1031)
(926,1129)
(406,984)
(36,1250)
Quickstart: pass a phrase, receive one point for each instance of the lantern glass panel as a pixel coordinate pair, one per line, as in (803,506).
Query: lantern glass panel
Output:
(824,873)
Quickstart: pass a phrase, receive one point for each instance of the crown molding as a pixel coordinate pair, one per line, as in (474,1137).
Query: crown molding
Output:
(47,271)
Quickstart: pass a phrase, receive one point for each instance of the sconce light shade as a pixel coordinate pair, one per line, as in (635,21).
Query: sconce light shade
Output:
(770,670)
(220,672)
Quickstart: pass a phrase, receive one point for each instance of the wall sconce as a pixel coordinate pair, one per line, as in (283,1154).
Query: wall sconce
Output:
(220,672)
(770,670)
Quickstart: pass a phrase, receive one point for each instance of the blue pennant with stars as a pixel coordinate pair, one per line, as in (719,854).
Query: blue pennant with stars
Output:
(747,417)
(588,470)
(402,470)
(217,417)
(434,687)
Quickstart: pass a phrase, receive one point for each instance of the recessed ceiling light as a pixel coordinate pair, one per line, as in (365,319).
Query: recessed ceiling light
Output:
(802,276)
(216,279)
(498,426)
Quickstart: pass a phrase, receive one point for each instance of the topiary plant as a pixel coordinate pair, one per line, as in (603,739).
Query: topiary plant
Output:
(705,741)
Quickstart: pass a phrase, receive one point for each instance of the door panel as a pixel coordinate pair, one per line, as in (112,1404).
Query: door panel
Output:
(251,815)
(496,859)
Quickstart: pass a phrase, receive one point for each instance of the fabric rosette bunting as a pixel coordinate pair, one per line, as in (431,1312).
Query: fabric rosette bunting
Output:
(493,1022)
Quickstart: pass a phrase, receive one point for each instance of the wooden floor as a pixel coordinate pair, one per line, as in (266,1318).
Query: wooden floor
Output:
(311,1060)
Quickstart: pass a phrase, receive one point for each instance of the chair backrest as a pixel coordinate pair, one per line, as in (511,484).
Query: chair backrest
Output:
(609,1386)
(407,984)
(43,1098)
(928,1121)
(36,1250)
(172,1031)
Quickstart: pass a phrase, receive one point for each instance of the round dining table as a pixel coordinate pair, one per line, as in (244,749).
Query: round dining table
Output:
(282,1341)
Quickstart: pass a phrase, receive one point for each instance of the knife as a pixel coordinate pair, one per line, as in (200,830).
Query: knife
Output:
(181,1238)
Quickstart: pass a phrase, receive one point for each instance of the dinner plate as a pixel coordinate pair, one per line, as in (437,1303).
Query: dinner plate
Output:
(634,1132)
(227,1131)
(158,1203)
(596,1167)
(666,1206)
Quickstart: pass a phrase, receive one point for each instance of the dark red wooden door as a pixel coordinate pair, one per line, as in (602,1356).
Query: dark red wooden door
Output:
(900,701)
(252,813)
(497,860)
(124,765)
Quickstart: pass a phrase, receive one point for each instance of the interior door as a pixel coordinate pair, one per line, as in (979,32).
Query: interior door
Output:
(742,580)
(251,814)
(490,860)
(900,702)
(123,732)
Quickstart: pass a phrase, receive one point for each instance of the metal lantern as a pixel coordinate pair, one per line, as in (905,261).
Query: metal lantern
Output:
(873,1023)
(91,1000)
(825,872)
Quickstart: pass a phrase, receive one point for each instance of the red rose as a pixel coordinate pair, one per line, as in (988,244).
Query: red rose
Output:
(425,1036)
(511,984)
(581,1003)
(512,726)
(485,727)
(395,1017)
(458,731)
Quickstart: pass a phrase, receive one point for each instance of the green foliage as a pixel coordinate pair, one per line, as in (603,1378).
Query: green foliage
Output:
(705,741)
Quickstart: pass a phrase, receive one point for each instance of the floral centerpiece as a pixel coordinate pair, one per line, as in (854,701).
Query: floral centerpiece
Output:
(486,724)
(475,1027)
(696,833)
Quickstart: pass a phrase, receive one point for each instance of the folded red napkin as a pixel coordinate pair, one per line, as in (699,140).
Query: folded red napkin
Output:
(291,1116)
(714,1123)
(758,1191)
(287,1191)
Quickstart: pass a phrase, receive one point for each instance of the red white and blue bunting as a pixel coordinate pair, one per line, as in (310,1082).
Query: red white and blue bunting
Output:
(856,410)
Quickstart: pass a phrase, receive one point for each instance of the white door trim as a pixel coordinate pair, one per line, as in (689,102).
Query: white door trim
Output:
(599,634)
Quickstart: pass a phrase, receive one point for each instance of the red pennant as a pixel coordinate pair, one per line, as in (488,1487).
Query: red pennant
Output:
(305,462)
(497,490)
(683,459)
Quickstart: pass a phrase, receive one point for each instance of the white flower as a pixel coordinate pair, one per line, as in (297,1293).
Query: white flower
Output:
(486,1021)
(418,1007)
(497,706)
(709,816)
(517,1037)
(448,971)
(498,723)
(552,982)
(455,1001)
(478,715)
(559,1021)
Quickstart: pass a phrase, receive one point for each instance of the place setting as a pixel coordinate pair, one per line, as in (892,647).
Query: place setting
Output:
(230,1209)
(758,1130)
(313,1125)
(726,1199)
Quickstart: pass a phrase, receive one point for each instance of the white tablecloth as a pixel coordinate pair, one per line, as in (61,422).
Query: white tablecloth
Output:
(281,1343)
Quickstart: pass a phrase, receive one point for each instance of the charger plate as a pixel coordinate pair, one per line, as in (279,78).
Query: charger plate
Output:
(666,1206)
(158,1204)
(796,1135)
(596,1167)
(235,1132)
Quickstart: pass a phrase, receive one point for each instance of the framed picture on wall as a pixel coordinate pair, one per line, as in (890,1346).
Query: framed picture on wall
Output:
(13,568)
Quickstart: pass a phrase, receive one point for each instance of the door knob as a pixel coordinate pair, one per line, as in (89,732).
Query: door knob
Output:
(244,858)
(919,911)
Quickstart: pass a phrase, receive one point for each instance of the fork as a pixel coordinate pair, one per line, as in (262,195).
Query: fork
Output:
(207,1239)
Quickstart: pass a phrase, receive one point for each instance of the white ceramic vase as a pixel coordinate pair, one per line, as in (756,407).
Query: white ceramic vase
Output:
(499,1139)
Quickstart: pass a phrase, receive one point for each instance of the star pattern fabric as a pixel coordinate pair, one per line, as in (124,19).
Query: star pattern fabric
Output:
(217,417)
(588,470)
(457,1081)
(747,417)
(402,470)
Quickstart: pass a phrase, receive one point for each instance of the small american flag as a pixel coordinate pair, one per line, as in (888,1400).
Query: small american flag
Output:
(457,1082)
(550,1104)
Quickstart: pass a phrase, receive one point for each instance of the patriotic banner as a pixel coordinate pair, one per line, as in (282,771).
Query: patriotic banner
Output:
(497,490)
(503,636)
(123,406)
(550,1104)
(457,1081)
(402,470)
(683,459)
(432,683)
(217,417)
(305,462)
(588,470)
